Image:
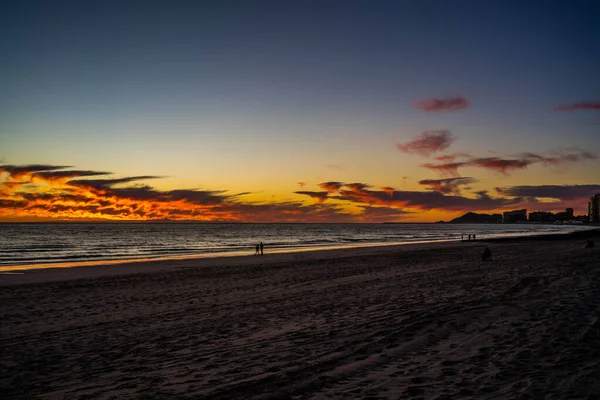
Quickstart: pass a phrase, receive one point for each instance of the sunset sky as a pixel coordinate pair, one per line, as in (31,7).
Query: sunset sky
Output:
(303,111)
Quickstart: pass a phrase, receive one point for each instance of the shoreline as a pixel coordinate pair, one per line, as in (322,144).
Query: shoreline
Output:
(94,269)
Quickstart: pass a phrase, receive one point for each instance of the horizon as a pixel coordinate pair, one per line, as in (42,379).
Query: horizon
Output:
(271,112)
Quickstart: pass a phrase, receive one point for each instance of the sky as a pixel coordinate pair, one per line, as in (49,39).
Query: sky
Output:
(297,111)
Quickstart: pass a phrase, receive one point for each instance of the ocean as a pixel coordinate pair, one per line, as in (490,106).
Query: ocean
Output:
(33,244)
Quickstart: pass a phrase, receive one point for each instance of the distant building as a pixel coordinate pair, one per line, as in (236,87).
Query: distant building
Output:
(594,209)
(510,217)
(542,216)
(567,215)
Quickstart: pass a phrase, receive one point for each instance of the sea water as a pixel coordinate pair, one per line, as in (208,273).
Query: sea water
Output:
(43,243)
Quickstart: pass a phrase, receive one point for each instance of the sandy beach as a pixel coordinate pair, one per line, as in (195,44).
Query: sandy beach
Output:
(421,321)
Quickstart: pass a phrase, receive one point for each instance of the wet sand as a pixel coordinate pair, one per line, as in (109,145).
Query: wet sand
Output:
(394,322)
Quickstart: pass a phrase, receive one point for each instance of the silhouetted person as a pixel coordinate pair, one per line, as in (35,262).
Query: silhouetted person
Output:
(589,244)
(469,238)
(262,249)
(473,237)
(462,238)
(257,250)
(487,254)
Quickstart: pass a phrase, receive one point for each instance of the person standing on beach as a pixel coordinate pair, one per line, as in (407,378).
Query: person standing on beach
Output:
(262,248)
(257,250)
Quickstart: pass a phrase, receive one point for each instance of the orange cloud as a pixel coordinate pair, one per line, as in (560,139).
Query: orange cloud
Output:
(331,187)
(356,187)
(428,142)
(445,104)
(389,190)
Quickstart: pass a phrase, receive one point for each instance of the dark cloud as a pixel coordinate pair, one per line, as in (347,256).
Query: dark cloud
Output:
(205,197)
(447,185)
(388,189)
(452,157)
(561,192)
(301,184)
(454,103)
(427,200)
(499,164)
(69,174)
(107,183)
(584,105)
(560,156)
(17,171)
(428,142)
(331,187)
(319,196)
(381,214)
(445,169)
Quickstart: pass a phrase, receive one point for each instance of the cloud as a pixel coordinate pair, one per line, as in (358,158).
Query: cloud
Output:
(335,167)
(428,142)
(50,196)
(319,196)
(427,200)
(19,171)
(560,192)
(445,104)
(584,105)
(381,214)
(499,164)
(388,189)
(57,196)
(448,185)
(301,184)
(356,187)
(560,156)
(445,169)
(506,165)
(452,157)
(109,183)
(331,187)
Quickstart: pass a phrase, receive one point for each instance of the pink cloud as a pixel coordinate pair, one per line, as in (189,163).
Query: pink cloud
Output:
(428,142)
(454,103)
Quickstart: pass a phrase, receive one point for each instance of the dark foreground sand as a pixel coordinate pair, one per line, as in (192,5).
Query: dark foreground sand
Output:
(373,323)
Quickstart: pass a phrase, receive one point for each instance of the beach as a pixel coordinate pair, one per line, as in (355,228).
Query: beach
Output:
(429,321)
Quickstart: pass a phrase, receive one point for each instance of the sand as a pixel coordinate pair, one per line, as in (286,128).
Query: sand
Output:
(431,322)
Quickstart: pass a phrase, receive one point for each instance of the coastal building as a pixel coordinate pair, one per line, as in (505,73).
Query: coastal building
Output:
(546,216)
(510,217)
(542,216)
(594,209)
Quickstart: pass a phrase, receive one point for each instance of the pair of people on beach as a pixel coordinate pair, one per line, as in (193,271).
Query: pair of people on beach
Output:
(260,249)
